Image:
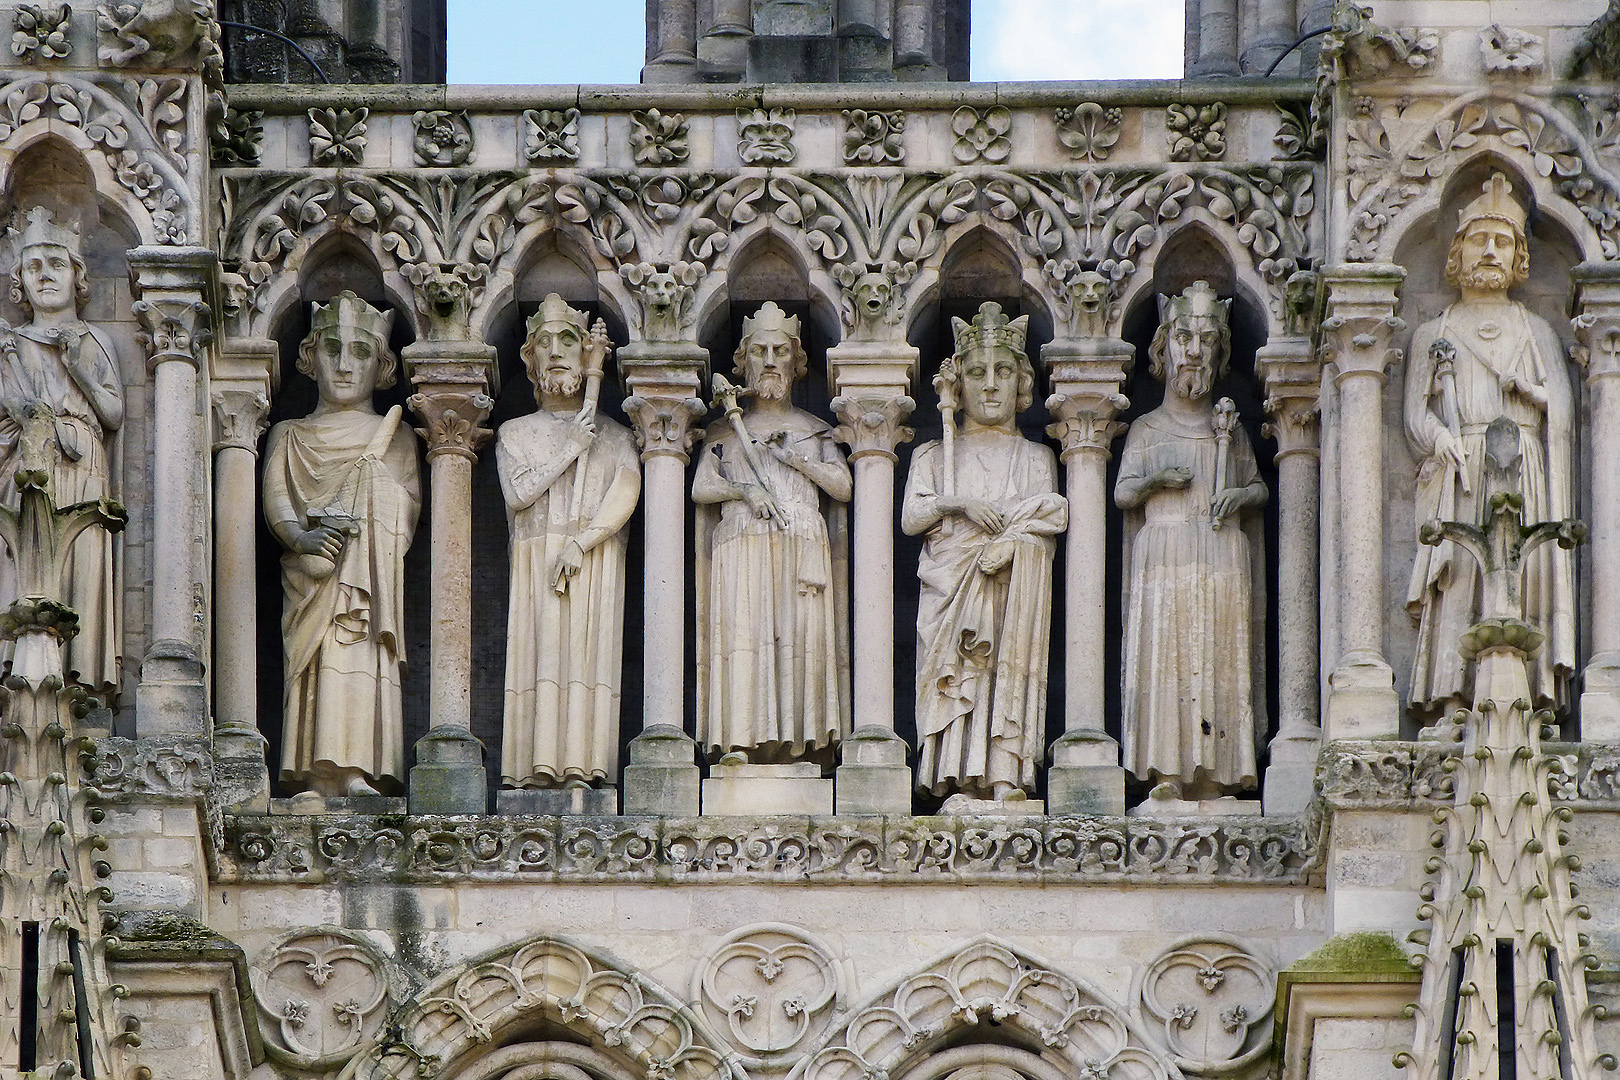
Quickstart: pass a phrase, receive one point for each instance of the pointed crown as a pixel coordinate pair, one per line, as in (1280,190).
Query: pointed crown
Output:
(771,317)
(555,309)
(1199,299)
(989,328)
(40,228)
(346,310)
(1497,204)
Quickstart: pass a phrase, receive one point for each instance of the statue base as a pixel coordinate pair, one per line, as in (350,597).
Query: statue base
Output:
(743,790)
(171,699)
(1291,777)
(449,777)
(1226,806)
(967,806)
(557,802)
(311,804)
(1085,776)
(662,777)
(873,777)
(1600,699)
(241,776)
(1361,701)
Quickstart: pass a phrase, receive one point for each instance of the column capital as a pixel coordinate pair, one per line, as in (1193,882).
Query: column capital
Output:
(1597,319)
(1360,322)
(872,424)
(1291,373)
(239,418)
(1085,375)
(872,369)
(453,418)
(665,425)
(663,381)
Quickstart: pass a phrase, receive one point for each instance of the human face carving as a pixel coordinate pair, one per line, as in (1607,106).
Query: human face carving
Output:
(346,364)
(990,386)
(1190,352)
(1489,250)
(559,356)
(770,364)
(872,292)
(47,278)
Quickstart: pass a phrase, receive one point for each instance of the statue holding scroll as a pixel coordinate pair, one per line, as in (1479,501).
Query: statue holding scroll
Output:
(58,367)
(571,480)
(1194,692)
(341,493)
(1487,356)
(772,564)
(987,499)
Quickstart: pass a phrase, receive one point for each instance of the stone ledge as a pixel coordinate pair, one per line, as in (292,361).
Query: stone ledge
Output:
(1261,851)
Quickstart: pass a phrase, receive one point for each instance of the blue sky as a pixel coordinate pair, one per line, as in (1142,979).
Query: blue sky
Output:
(601,41)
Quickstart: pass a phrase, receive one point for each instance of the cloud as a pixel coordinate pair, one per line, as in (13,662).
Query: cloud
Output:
(1077,39)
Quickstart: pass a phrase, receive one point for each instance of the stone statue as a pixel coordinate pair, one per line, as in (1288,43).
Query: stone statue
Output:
(772,563)
(59,368)
(1487,356)
(571,481)
(987,499)
(1194,691)
(341,493)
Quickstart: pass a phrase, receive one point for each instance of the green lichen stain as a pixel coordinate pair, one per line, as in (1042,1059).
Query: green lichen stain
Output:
(166,926)
(1366,951)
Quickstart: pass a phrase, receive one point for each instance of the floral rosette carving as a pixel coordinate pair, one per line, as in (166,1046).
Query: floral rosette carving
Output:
(1089,130)
(553,135)
(982,135)
(658,138)
(322,995)
(769,989)
(873,138)
(1213,999)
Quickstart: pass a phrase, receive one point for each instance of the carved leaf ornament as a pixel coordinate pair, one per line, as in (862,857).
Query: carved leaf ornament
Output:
(321,995)
(986,981)
(1212,998)
(768,988)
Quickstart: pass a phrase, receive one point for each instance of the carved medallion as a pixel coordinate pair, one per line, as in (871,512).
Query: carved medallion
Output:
(769,989)
(322,995)
(1213,999)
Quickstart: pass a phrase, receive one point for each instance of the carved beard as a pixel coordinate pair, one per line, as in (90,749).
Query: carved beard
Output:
(1193,380)
(771,386)
(1488,277)
(561,384)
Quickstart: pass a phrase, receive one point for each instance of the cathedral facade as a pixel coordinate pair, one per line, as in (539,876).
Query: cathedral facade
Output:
(810,567)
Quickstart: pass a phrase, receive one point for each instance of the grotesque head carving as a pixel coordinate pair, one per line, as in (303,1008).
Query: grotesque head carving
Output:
(1193,345)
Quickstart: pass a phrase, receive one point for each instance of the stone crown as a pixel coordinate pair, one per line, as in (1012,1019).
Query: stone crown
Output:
(349,311)
(1497,203)
(1198,300)
(990,328)
(771,317)
(39,228)
(555,309)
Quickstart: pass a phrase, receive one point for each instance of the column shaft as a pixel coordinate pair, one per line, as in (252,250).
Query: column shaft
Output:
(1217,39)
(677,30)
(664,591)
(874,589)
(1361,502)
(1298,692)
(450,589)
(1086,591)
(174,453)
(236,669)
(1597,331)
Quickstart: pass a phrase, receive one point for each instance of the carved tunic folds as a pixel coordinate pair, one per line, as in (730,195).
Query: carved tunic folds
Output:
(773,658)
(1492,342)
(1193,703)
(982,636)
(344,626)
(33,368)
(564,649)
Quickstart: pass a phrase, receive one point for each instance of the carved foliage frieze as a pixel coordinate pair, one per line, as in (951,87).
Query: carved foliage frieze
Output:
(872,137)
(322,996)
(1383,773)
(1089,130)
(173,766)
(40,31)
(425,849)
(768,990)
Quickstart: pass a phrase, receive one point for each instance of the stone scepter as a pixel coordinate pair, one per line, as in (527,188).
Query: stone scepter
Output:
(945,387)
(595,356)
(726,394)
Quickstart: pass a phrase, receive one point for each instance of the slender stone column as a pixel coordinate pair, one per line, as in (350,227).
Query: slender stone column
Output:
(173,287)
(239,423)
(675,60)
(1293,380)
(1085,375)
(1358,338)
(1597,328)
(663,380)
(1217,39)
(872,380)
(1276,34)
(914,34)
(453,380)
(723,48)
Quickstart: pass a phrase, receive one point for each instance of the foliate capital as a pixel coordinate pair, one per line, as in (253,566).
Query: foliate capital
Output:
(1597,319)
(173,327)
(664,425)
(452,420)
(239,419)
(872,425)
(1085,420)
(1292,421)
(1361,324)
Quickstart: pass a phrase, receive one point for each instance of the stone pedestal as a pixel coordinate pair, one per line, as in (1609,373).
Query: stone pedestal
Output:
(1358,336)
(967,806)
(662,777)
(554,802)
(241,777)
(448,777)
(1085,374)
(871,380)
(310,804)
(1228,807)
(763,790)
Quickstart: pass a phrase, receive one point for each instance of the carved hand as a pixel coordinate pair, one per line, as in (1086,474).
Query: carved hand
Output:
(1228,503)
(569,560)
(776,445)
(759,499)
(1175,478)
(1449,450)
(978,511)
(323,540)
(996,557)
(1512,383)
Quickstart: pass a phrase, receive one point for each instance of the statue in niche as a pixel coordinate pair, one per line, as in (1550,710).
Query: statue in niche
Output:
(342,492)
(1487,356)
(772,562)
(1194,689)
(58,368)
(571,481)
(987,499)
